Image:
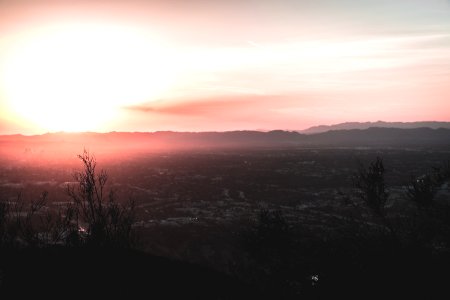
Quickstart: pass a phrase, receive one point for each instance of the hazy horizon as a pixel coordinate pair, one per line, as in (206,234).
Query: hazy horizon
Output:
(197,65)
(319,126)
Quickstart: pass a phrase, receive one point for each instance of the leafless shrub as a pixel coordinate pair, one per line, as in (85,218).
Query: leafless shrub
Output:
(371,187)
(94,217)
(96,211)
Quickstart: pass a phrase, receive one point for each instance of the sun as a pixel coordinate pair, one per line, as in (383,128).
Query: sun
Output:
(77,77)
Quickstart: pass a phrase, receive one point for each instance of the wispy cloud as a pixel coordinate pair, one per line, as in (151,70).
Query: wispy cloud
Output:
(220,105)
(302,65)
(238,64)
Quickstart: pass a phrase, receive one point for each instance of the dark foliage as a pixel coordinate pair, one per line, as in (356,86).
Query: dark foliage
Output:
(87,246)
(269,234)
(93,218)
(101,220)
(87,272)
(422,190)
(431,222)
(18,222)
(370,183)
(271,244)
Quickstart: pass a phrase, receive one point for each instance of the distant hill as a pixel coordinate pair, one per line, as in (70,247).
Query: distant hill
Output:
(382,137)
(381,124)
(62,145)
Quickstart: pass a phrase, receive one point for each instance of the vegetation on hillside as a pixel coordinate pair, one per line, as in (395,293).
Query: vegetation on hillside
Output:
(375,247)
(94,217)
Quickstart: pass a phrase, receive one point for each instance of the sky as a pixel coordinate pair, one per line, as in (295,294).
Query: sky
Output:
(203,65)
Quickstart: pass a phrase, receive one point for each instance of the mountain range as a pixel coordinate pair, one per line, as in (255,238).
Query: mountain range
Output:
(380,124)
(125,142)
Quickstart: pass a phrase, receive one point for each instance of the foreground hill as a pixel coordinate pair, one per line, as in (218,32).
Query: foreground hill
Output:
(127,274)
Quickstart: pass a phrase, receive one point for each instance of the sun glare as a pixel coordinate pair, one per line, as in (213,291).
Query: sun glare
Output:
(76,77)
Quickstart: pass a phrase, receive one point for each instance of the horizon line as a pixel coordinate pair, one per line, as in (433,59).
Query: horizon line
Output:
(224,131)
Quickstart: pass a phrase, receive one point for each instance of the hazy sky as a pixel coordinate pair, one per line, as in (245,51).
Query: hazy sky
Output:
(221,65)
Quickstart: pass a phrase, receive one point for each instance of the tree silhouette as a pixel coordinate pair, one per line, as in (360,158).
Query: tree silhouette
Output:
(273,251)
(370,184)
(422,190)
(18,222)
(100,219)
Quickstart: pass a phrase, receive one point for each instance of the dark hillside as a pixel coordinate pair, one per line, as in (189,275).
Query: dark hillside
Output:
(64,272)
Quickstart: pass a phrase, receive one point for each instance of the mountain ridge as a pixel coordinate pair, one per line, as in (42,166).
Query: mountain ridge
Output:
(373,136)
(380,124)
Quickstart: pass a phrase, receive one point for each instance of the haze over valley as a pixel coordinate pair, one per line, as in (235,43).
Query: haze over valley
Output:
(192,149)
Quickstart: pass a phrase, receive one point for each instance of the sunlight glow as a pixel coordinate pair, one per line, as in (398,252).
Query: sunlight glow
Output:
(75,77)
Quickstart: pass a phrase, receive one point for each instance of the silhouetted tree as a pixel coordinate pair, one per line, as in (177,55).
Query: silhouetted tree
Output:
(96,212)
(61,227)
(274,256)
(441,173)
(270,233)
(93,218)
(422,190)
(4,214)
(370,184)
(19,222)
(431,223)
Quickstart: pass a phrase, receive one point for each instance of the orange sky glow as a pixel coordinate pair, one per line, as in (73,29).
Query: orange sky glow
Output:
(221,65)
